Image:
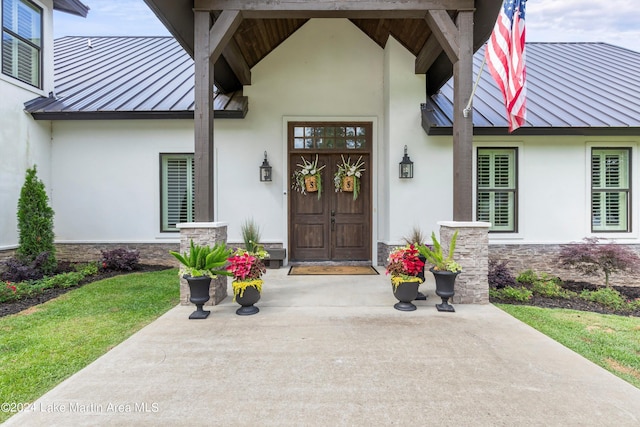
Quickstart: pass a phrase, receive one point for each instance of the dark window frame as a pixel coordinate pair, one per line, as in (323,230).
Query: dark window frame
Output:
(367,137)
(515,189)
(628,191)
(39,49)
(161,158)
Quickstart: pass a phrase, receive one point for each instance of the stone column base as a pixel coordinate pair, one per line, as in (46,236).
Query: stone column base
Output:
(472,253)
(203,233)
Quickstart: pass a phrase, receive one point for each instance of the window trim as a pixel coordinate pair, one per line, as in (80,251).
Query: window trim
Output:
(514,190)
(162,157)
(367,125)
(40,49)
(628,191)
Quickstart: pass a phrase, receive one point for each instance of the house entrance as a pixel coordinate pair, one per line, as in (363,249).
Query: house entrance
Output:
(326,225)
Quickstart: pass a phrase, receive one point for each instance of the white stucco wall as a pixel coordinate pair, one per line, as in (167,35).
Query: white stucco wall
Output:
(23,141)
(427,198)
(106,177)
(105,174)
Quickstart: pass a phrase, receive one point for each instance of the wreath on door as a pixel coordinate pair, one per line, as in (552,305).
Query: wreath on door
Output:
(347,178)
(307,179)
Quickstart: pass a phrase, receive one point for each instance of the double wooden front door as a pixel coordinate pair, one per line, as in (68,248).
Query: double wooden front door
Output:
(334,226)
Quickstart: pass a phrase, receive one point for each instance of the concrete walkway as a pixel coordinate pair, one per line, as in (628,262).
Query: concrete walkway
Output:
(332,351)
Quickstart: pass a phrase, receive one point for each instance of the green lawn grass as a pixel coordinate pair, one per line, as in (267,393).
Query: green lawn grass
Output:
(612,342)
(42,346)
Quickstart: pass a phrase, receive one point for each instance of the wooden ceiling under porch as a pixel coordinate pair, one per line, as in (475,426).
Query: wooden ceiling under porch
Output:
(266,24)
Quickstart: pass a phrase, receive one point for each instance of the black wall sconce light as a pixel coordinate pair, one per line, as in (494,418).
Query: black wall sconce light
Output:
(406,166)
(265,170)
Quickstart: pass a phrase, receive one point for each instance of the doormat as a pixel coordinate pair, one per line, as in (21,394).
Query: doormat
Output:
(310,270)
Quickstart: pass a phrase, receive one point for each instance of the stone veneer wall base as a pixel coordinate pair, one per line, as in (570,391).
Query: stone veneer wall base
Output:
(203,233)
(472,253)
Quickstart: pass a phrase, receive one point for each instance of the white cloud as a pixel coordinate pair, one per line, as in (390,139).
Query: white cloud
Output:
(612,21)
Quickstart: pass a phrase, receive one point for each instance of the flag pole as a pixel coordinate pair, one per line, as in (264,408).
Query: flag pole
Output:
(466,110)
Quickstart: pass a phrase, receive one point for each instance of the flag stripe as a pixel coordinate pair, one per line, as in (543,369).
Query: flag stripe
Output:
(505,54)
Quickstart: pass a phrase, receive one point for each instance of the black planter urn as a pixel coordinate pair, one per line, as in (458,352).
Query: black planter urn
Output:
(405,292)
(445,282)
(199,294)
(249,297)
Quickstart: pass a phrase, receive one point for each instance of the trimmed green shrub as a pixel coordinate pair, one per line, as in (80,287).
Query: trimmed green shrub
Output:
(35,224)
(87,269)
(510,293)
(62,280)
(527,277)
(548,286)
(608,297)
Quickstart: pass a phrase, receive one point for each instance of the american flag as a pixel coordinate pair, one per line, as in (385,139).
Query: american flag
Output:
(506,58)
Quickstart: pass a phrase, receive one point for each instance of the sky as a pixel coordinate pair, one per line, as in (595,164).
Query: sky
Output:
(611,21)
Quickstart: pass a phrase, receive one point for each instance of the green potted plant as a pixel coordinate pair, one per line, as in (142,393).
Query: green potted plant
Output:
(404,266)
(199,266)
(444,270)
(251,238)
(246,269)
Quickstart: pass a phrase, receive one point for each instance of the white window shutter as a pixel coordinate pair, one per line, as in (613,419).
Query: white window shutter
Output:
(496,183)
(177,190)
(610,189)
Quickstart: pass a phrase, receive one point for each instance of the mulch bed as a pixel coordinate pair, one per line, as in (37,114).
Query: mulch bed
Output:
(630,292)
(574,303)
(7,308)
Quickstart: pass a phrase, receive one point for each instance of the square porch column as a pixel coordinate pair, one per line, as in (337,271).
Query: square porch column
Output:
(203,233)
(472,253)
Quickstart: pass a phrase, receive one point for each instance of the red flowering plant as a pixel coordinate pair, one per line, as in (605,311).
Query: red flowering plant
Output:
(8,292)
(246,269)
(405,265)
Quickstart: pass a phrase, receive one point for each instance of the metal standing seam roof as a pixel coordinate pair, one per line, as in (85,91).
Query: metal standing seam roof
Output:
(125,78)
(572,88)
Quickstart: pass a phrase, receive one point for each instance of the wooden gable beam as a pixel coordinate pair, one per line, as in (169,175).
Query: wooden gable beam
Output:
(221,43)
(222,31)
(428,54)
(237,62)
(363,9)
(445,31)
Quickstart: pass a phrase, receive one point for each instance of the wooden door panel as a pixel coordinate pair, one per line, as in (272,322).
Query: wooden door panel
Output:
(351,237)
(310,236)
(309,227)
(346,205)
